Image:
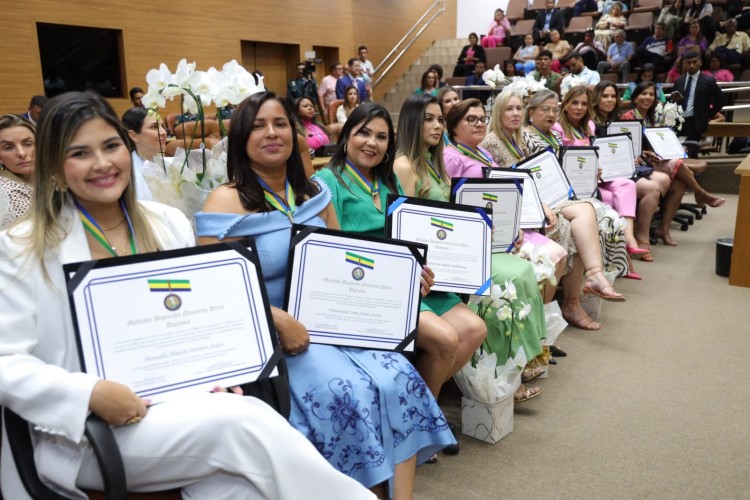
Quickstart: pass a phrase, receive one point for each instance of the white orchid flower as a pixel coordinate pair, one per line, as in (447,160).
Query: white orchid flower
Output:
(189,103)
(158,79)
(504,313)
(475,299)
(510,290)
(154,100)
(525,310)
(183,72)
(203,85)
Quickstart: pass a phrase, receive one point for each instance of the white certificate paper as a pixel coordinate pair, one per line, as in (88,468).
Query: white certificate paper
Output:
(532,213)
(549,178)
(632,127)
(168,326)
(503,197)
(665,142)
(357,292)
(581,167)
(615,156)
(459,240)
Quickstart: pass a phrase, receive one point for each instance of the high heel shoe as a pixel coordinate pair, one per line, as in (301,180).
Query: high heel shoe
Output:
(632,275)
(635,250)
(613,296)
(646,257)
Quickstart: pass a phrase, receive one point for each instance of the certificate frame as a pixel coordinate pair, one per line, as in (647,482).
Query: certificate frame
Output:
(532,213)
(586,158)
(309,244)
(444,216)
(664,142)
(163,272)
(610,152)
(632,127)
(488,192)
(546,158)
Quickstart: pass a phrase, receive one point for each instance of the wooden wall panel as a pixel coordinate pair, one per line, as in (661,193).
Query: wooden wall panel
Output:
(209,33)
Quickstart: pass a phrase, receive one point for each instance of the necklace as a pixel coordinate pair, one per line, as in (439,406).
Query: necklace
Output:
(96,232)
(287,208)
(371,188)
(113,227)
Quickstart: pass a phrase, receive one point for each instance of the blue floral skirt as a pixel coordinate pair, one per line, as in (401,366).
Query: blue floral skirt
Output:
(365,410)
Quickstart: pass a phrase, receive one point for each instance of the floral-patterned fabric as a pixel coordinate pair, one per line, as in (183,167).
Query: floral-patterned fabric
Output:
(364,410)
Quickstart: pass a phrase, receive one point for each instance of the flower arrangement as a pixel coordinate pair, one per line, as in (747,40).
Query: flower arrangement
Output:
(540,261)
(669,115)
(572,81)
(503,303)
(495,77)
(525,85)
(185,180)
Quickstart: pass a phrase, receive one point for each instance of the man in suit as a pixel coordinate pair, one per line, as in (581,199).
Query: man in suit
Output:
(699,95)
(352,78)
(35,108)
(546,21)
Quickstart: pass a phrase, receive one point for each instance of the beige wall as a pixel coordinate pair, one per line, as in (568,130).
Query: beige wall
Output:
(209,33)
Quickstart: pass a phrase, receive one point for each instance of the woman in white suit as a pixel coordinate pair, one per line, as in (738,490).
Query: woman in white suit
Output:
(213,446)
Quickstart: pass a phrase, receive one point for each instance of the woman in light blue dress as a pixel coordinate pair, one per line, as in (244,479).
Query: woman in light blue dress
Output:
(369,413)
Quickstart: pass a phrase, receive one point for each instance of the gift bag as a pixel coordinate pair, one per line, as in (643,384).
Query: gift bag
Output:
(555,322)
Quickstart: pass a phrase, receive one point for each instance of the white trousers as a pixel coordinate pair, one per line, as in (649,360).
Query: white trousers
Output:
(223,446)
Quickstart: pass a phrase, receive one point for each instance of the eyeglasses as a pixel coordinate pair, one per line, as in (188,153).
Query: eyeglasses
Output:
(475,120)
(549,111)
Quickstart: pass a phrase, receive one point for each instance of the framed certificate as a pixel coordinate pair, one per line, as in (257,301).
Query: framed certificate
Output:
(532,213)
(356,291)
(615,156)
(581,167)
(550,180)
(503,197)
(459,238)
(664,142)
(163,323)
(632,127)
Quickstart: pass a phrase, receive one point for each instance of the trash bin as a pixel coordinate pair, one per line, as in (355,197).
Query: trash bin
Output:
(724,256)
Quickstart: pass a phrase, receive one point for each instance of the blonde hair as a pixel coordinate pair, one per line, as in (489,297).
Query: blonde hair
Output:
(566,102)
(59,122)
(411,144)
(496,118)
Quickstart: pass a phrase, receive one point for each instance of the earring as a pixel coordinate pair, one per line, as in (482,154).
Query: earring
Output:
(344,148)
(59,186)
(386,157)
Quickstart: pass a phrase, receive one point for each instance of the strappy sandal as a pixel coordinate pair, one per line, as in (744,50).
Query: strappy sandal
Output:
(526,394)
(613,296)
(530,374)
(646,257)
(582,323)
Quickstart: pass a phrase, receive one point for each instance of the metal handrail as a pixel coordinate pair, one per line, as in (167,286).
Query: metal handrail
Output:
(436,3)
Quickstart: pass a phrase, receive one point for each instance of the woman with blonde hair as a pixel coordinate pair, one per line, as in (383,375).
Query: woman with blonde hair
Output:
(608,24)
(16,167)
(84,208)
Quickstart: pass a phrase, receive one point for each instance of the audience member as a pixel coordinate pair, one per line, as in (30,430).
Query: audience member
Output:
(577,69)
(525,56)
(619,55)
(608,24)
(498,30)
(303,85)
(314,132)
(469,56)
(148,136)
(656,49)
(647,73)
(327,88)
(700,97)
(672,17)
(694,40)
(547,20)
(351,101)
(702,11)
(476,79)
(368,70)
(733,45)
(439,83)
(428,84)
(36,104)
(351,79)
(590,50)
(717,70)
(582,6)
(559,48)
(136,94)
(543,61)
(16,167)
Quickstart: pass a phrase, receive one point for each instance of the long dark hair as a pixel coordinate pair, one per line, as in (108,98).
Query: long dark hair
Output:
(638,91)
(364,114)
(239,163)
(598,117)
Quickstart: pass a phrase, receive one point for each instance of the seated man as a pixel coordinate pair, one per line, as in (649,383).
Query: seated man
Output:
(576,68)
(733,45)
(36,104)
(618,57)
(543,70)
(656,49)
(546,21)
(591,51)
(476,79)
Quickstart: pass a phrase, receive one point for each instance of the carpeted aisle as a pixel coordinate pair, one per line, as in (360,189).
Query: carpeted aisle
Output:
(655,405)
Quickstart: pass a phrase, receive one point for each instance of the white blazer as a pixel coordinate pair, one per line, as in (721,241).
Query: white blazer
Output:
(40,377)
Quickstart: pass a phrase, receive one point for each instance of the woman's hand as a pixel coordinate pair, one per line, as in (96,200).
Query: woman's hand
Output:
(651,157)
(292,334)
(427,280)
(599,173)
(551,218)
(518,243)
(116,403)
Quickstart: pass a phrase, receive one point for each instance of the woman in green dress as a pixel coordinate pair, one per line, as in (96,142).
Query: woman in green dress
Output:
(421,172)
(360,177)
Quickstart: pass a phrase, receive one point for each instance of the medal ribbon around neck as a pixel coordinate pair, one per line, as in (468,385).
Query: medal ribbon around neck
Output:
(276,201)
(646,121)
(511,145)
(433,173)
(474,155)
(93,228)
(577,133)
(373,189)
(549,138)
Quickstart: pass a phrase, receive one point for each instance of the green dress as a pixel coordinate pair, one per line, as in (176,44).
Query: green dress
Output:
(504,337)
